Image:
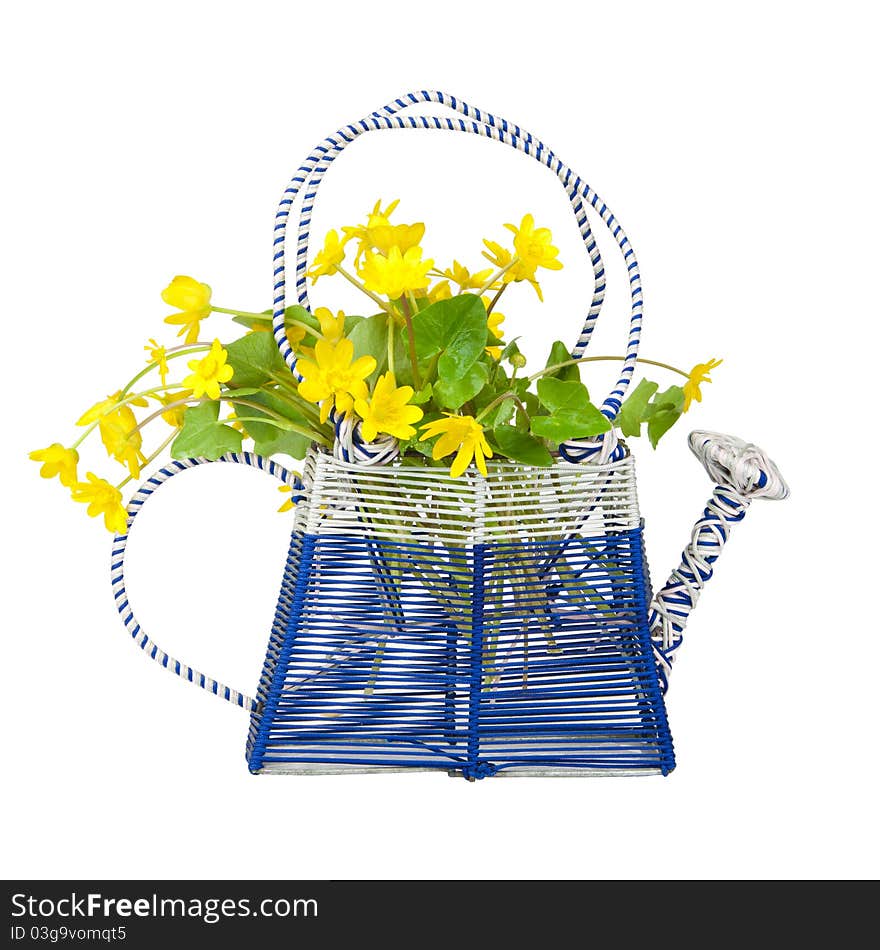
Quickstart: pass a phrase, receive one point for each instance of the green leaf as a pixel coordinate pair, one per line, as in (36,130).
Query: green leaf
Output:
(521,447)
(634,409)
(572,416)
(456,329)
(501,414)
(269,439)
(254,358)
(370,338)
(202,436)
(559,395)
(510,350)
(560,353)
(570,425)
(423,395)
(240,392)
(533,408)
(664,412)
(454,393)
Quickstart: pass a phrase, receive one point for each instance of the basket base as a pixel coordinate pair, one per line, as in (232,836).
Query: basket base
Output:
(488,660)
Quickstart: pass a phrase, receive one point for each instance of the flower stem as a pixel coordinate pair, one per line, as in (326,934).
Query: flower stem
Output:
(374,297)
(150,458)
(171,354)
(408,310)
(189,400)
(288,393)
(491,306)
(596,359)
(122,402)
(497,402)
(282,421)
(499,273)
(391,344)
(240,313)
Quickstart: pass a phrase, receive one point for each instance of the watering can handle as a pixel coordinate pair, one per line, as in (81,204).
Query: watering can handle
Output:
(478,122)
(117,571)
(742,472)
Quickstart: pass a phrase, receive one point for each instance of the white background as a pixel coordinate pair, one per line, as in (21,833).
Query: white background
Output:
(735,143)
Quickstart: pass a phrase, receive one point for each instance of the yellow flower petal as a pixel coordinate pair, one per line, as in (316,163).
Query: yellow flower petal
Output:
(102,498)
(698,375)
(209,372)
(57,460)
(462,460)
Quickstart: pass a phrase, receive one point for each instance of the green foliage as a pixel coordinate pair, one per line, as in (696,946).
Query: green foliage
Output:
(423,395)
(571,414)
(560,353)
(254,359)
(202,435)
(450,393)
(454,329)
(520,446)
(665,410)
(370,338)
(268,438)
(634,410)
(512,349)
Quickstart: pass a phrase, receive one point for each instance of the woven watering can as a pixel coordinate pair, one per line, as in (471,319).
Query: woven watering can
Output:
(484,625)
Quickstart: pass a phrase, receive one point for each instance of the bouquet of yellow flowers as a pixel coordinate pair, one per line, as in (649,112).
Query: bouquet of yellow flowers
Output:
(427,366)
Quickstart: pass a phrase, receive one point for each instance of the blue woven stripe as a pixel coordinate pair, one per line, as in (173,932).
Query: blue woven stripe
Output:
(476,660)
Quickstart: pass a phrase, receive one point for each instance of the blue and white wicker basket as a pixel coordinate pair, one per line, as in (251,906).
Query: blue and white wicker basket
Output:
(499,625)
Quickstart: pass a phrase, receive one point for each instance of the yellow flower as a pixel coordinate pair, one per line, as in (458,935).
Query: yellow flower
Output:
(158,355)
(288,503)
(493,322)
(387,410)
(332,328)
(209,372)
(363,233)
(232,419)
(333,378)
(461,434)
(193,299)
(516,270)
(396,274)
(533,247)
(460,275)
(698,375)
(328,258)
(402,236)
(105,405)
(174,417)
(295,336)
(440,291)
(59,461)
(102,499)
(121,437)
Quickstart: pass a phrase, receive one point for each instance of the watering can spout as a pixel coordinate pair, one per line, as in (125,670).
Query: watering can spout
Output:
(742,473)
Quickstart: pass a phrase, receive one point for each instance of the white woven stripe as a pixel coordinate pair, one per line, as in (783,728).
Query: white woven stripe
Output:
(423,505)
(117,571)
(480,123)
(742,472)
